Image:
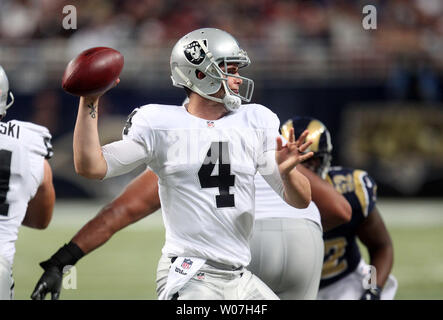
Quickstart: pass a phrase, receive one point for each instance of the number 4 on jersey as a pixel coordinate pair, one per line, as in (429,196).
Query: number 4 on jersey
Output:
(218,151)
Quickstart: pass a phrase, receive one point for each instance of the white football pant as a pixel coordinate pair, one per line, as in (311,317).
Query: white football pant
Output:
(287,254)
(212,283)
(6,281)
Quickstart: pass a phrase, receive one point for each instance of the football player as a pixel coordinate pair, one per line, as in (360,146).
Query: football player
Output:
(140,198)
(345,274)
(287,244)
(205,156)
(26,191)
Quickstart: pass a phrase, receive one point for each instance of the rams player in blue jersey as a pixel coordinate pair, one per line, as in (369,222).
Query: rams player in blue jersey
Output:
(345,274)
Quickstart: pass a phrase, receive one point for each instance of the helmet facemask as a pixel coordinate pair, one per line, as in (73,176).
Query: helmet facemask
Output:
(319,163)
(214,71)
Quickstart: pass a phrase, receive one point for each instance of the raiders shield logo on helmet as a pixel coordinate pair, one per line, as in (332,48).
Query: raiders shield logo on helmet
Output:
(194,52)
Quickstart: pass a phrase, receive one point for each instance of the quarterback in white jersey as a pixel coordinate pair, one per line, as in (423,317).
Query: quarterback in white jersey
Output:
(140,199)
(203,167)
(206,156)
(26,190)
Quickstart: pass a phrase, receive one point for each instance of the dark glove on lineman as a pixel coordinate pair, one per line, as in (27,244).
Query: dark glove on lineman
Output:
(371,294)
(51,280)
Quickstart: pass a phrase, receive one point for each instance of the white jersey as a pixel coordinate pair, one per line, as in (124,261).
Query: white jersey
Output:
(23,148)
(268,204)
(206,172)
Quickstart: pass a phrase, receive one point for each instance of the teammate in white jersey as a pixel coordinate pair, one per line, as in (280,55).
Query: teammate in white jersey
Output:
(206,156)
(287,244)
(26,192)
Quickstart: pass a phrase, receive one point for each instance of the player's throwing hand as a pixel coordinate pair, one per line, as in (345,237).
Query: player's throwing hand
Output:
(292,153)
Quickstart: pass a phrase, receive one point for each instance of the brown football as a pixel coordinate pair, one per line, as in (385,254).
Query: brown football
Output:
(93,71)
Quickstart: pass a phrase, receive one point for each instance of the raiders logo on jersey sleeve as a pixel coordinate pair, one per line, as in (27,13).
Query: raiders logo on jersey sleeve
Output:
(194,52)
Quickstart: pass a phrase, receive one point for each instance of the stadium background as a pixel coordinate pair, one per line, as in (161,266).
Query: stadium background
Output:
(378,91)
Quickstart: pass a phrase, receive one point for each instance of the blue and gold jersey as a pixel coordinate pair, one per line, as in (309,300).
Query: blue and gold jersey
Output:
(342,254)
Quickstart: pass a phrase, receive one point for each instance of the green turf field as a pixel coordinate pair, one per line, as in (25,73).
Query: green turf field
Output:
(124,268)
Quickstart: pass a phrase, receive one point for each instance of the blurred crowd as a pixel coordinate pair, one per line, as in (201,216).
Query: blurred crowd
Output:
(310,39)
(300,47)
(404,27)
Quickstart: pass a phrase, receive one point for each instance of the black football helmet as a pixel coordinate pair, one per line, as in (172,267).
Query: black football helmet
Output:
(320,137)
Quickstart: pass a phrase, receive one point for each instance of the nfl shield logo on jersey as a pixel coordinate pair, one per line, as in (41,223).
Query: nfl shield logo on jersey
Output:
(187,263)
(210,124)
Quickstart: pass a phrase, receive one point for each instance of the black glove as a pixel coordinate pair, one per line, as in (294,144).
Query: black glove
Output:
(371,294)
(51,280)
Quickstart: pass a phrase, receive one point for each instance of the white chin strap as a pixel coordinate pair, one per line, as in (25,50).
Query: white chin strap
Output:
(3,112)
(12,100)
(232,103)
